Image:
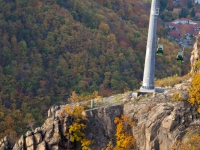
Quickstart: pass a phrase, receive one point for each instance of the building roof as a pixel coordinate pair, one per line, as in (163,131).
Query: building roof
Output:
(176,10)
(197,14)
(175,34)
(183,28)
(171,24)
(190,27)
(182,19)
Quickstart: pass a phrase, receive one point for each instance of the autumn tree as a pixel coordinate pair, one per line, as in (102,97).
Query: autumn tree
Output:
(124,139)
(75,130)
(194,91)
(104,27)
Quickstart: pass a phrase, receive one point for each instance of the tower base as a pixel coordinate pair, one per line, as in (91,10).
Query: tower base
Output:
(147,89)
(151,90)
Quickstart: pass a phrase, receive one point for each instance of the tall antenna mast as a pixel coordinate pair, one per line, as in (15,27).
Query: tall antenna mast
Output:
(149,68)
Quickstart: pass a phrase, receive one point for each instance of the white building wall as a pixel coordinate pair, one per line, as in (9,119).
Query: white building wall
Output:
(197,1)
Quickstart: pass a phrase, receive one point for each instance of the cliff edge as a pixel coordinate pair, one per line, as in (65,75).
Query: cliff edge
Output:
(159,122)
(195,55)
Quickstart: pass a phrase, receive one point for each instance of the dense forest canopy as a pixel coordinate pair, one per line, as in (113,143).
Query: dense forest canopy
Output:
(50,48)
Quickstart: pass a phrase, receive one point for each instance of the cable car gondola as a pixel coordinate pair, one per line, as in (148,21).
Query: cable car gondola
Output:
(159,51)
(179,57)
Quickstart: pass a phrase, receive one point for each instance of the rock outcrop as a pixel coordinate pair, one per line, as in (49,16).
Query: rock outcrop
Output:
(5,144)
(52,134)
(100,126)
(195,55)
(49,136)
(161,121)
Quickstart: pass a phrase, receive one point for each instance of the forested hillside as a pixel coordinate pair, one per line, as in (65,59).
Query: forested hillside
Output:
(50,48)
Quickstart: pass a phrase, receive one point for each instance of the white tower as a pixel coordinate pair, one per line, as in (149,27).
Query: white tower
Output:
(149,68)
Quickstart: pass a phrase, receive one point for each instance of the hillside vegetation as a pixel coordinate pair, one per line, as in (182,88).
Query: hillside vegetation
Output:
(49,49)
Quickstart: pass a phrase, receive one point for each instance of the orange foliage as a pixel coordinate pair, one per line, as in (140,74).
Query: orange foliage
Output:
(194,91)
(124,139)
(104,27)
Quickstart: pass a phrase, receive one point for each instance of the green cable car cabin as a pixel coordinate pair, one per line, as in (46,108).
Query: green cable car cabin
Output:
(179,57)
(159,51)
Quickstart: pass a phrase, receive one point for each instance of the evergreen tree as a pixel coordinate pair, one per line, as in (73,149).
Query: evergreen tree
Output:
(189,4)
(184,12)
(163,4)
(192,13)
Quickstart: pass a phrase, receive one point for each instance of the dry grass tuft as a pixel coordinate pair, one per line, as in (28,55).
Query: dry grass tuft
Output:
(171,81)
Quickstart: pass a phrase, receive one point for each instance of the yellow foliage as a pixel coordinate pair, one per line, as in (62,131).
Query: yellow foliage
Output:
(171,81)
(194,91)
(198,110)
(69,110)
(81,98)
(75,132)
(75,112)
(78,111)
(177,97)
(124,139)
(85,143)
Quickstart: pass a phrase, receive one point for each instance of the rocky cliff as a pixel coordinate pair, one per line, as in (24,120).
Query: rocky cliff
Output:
(51,136)
(195,55)
(159,122)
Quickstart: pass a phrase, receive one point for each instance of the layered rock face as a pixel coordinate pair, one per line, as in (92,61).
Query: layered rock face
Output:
(100,126)
(5,143)
(52,134)
(160,122)
(195,55)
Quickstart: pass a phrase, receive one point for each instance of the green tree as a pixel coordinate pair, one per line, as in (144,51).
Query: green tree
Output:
(189,3)
(192,12)
(184,12)
(163,4)
(23,45)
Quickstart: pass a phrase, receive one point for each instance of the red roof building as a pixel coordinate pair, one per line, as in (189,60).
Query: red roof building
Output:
(183,27)
(176,10)
(197,15)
